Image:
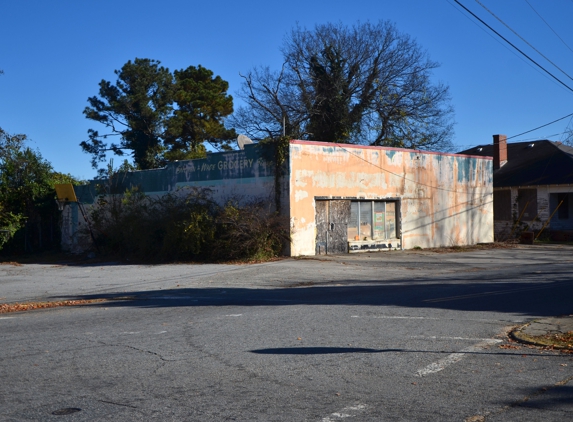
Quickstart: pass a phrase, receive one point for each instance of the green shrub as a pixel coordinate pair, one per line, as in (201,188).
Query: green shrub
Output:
(10,223)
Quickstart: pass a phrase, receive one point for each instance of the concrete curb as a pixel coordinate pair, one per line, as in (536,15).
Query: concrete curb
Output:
(538,332)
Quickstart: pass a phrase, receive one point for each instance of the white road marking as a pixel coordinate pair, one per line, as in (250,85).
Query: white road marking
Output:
(235,315)
(345,413)
(161,332)
(130,332)
(7,317)
(450,338)
(392,317)
(453,358)
(516,321)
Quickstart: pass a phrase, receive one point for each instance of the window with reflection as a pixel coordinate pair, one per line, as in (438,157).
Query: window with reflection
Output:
(372,220)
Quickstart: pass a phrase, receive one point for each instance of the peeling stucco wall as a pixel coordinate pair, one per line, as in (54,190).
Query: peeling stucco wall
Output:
(445,199)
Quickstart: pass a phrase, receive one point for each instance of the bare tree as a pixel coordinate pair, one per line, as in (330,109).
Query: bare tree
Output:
(272,105)
(365,84)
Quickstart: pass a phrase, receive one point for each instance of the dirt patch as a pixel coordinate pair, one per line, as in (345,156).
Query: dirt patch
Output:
(16,264)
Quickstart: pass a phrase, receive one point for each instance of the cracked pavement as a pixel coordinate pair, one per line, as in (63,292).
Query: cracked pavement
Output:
(389,336)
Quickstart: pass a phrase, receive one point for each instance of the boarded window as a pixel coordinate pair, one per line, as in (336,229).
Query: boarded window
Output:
(527,203)
(502,205)
(390,220)
(563,211)
(365,219)
(379,220)
(353,222)
(372,220)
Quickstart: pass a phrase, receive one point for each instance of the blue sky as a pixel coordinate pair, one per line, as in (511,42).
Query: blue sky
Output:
(55,53)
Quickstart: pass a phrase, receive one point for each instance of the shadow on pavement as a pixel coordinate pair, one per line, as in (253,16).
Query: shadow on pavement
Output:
(531,295)
(552,397)
(319,350)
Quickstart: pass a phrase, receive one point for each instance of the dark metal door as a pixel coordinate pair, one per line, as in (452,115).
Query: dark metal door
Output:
(332,226)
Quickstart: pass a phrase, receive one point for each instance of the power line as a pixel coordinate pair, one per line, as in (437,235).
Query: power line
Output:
(568,133)
(511,44)
(547,124)
(489,33)
(536,138)
(402,176)
(541,17)
(523,39)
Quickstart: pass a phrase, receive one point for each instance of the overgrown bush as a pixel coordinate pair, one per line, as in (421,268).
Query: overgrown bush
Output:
(171,227)
(249,232)
(9,224)
(186,225)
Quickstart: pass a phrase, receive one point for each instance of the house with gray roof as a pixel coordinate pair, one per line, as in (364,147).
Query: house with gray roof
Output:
(533,187)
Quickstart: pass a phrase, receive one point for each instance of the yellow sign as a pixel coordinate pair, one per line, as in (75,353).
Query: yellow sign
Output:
(66,192)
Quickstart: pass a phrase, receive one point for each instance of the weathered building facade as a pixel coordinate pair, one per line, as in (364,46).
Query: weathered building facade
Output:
(339,198)
(346,198)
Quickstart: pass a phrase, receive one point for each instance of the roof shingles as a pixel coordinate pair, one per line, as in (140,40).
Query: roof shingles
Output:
(531,163)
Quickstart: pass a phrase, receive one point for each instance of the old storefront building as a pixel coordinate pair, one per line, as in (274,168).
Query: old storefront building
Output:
(339,198)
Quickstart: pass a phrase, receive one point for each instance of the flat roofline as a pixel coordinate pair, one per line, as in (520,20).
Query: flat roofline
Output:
(353,146)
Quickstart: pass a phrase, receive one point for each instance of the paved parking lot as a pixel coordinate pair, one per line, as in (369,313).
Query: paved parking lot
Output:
(57,281)
(412,335)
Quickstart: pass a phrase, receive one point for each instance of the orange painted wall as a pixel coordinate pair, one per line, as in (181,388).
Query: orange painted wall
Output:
(446,199)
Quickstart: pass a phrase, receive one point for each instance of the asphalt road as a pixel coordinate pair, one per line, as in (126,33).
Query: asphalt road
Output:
(394,336)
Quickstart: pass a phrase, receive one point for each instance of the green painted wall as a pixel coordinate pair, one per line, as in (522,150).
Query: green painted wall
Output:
(245,167)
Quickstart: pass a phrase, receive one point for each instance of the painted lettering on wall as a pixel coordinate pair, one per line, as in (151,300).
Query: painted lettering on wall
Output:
(238,164)
(220,165)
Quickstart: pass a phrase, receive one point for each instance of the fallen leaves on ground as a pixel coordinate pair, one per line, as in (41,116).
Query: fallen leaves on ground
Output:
(508,346)
(565,338)
(550,341)
(477,418)
(559,341)
(20,307)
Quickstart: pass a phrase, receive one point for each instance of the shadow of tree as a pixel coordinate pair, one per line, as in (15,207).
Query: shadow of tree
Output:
(531,295)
